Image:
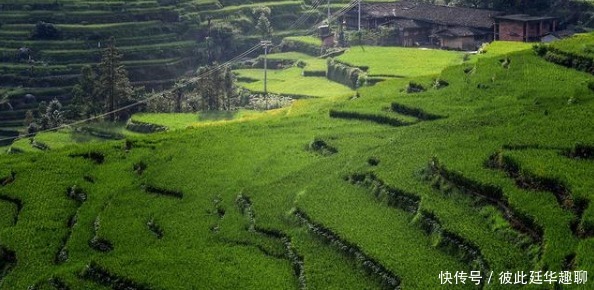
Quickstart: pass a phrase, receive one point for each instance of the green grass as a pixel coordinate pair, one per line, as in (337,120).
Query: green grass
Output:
(580,44)
(267,157)
(69,136)
(505,47)
(400,61)
(312,64)
(305,39)
(171,121)
(291,82)
(291,55)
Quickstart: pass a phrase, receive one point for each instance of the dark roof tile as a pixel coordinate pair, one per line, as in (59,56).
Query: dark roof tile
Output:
(438,14)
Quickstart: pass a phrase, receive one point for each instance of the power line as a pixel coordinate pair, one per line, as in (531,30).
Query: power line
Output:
(156,95)
(304,16)
(183,84)
(335,15)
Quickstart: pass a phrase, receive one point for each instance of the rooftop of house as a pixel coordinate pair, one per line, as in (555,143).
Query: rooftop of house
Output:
(405,23)
(524,18)
(459,31)
(438,14)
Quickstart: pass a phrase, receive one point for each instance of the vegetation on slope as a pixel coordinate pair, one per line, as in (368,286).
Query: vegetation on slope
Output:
(391,204)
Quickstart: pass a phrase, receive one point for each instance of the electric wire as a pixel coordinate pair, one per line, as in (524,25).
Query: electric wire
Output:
(182,84)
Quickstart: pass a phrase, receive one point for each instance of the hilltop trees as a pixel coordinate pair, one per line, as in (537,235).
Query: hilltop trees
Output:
(113,84)
(85,100)
(214,90)
(103,92)
(263,25)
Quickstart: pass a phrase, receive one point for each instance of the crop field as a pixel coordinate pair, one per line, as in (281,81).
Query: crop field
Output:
(403,62)
(485,171)
(290,81)
(179,121)
(90,133)
(159,40)
(580,44)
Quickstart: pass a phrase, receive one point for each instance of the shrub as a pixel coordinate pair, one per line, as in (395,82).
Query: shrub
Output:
(45,30)
(320,146)
(414,87)
(540,49)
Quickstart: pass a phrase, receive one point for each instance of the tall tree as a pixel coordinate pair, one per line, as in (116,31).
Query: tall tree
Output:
(264,27)
(53,116)
(114,86)
(215,89)
(85,100)
(229,88)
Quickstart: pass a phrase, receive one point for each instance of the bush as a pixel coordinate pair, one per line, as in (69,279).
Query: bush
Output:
(45,30)
(414,87)
(540,49)
(320,146)
(565,58)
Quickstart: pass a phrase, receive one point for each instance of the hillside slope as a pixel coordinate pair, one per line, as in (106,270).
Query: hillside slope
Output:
(385,190)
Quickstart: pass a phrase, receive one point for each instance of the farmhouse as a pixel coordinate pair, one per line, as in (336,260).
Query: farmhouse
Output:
(417,23)
(522,27)
(424,24)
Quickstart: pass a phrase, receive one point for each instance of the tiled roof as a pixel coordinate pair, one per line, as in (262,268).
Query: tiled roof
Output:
(438,14)
(524,17)
(459,31)
(406,23)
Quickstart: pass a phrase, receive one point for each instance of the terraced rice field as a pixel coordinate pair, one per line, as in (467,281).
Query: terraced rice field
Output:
(385,190)
(160,41)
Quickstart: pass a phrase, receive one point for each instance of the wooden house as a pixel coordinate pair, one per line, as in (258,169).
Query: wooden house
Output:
(424,24)
(522,27)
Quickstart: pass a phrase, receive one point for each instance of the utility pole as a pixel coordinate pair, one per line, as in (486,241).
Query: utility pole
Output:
(209,61)
(328,12)
(359,16)
(265,44)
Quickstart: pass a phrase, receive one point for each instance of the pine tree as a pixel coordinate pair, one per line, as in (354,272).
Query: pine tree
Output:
(230,90)
(215,89)
(264,27)
(86,101)
(114,86)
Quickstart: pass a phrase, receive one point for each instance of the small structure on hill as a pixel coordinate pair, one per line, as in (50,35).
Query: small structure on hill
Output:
(559,34)
(522,27)
(326,35)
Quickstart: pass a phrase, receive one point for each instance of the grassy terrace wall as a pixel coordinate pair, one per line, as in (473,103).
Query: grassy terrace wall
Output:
(339,72)
(576,52)
(305,44)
